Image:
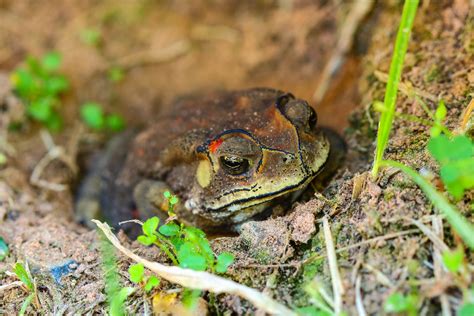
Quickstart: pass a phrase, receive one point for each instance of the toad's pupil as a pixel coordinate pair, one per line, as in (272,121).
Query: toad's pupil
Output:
(234,165)
(313,117)
(232,162)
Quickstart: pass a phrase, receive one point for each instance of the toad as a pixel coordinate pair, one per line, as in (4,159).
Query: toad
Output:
(228,156)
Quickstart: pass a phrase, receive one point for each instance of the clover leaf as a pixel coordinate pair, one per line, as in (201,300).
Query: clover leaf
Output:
(456,159)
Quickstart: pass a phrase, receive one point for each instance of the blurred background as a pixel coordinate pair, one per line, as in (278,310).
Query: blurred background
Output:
(133,57)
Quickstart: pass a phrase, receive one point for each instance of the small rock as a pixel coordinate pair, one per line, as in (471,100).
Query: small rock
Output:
(301,222)
(374,191)
(267,241)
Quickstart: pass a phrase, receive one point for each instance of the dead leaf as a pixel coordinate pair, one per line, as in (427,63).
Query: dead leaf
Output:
(170,305)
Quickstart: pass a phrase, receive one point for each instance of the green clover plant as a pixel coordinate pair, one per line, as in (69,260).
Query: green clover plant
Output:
(456,160)
(94,117)
(186,246)
(40,86)
(137,276)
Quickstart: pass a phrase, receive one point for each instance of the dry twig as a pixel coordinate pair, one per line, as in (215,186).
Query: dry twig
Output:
(357,13)
(437,242)
(406,87)
(154,56)
(467,117)
(382,278)
(359,302)
(438,265)
(10,286)
(337,287)
(365,242)
(54,152)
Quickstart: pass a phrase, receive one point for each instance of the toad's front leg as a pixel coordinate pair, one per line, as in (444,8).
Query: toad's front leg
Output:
(150,200)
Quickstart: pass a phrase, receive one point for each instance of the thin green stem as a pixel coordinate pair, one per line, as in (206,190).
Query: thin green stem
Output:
(424,106)
(26,303)
(163,246)
(416,119)
(460,224)
(413,118)
(395,73)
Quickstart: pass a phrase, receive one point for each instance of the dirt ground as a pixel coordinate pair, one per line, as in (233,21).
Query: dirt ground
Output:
(171,48)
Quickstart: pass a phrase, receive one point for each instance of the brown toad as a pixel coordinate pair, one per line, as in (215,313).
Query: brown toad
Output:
(229,156)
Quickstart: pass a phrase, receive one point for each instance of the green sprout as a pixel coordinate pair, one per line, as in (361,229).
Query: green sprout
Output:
(190,298)
(455,156)
(396,67)
(172,201)
(399,303)
(317,296)
(94,117)
(115,74)
(439,117)
(91,36)
(22,272)
(137,276)
(39,85)
(453,260)
(3,159)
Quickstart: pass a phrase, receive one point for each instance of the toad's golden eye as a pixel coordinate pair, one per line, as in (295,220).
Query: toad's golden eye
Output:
(234,165)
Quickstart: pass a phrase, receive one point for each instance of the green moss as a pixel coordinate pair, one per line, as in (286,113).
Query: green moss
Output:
(308,273)
(433,73)
(310,270)
(388,195)
(402,184)
(262,256)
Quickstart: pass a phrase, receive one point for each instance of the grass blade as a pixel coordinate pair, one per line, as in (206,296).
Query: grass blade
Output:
(396,67)
(116,295)
(24,276)
(459,223)
(26,303)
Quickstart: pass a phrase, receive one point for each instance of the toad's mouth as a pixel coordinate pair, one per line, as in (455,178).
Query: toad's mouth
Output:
(245,205)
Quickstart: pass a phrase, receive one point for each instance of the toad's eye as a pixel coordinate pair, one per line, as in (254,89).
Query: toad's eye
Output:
(234,165)
(313,117)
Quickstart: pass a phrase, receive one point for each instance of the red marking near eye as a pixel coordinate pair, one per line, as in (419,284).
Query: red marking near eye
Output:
(214,145)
